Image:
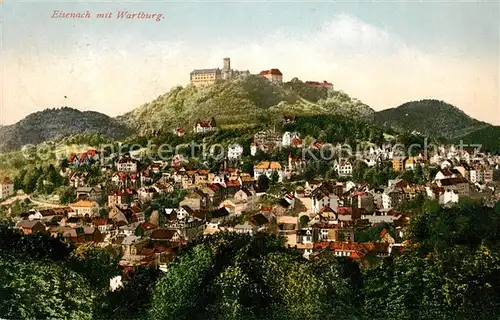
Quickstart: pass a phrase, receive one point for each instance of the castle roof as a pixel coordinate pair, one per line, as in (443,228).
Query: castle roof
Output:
(275,72)
(205,71)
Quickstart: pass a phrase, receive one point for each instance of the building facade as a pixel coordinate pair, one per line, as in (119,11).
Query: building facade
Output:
(273,75)
(203,77)
(6,188)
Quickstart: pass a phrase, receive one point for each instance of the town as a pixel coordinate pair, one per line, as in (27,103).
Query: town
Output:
(148,210)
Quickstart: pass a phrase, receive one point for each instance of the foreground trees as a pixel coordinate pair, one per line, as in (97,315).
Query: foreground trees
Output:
(450,270)
(231,276)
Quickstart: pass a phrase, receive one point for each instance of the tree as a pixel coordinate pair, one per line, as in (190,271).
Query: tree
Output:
(274,177)
(235,276)
(103,213)
(41,290)
(137,290)
(303,221)
(98,265)
(263,183)
(359,170)
(67,195)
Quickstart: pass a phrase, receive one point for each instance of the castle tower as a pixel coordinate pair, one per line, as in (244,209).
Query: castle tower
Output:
(226,69)
(227,64)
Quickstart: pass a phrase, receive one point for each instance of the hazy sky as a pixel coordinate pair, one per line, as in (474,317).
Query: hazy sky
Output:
(384,53)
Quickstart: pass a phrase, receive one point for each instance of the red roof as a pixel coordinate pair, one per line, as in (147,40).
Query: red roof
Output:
(72,157)
(91,153)
(344,210)
(100,222)
(275,72)
(146,252)
(83,156)
(383,233)
(233,183)
(146,226)
(204,124)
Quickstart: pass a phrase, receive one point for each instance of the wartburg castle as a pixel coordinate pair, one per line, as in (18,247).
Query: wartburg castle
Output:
(200,77)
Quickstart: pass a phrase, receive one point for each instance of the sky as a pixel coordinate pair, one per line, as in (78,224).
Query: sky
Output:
(384,53)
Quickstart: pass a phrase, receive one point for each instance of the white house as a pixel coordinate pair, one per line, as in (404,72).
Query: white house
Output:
(448,196)
(267,168)
(324,196)
(126,164)
(234,151)
(386,201)
(288,137)
(344,168)
(85,207)
(253,149)
(6,188)
(204,126)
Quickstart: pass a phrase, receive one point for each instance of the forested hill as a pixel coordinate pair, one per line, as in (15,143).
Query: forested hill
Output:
(431,118)
(248,100)
(57,123)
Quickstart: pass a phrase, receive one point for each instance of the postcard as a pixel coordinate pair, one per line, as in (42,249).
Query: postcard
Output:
(249,159)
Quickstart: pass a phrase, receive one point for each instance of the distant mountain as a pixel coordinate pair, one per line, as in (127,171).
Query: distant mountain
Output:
(249,100)
(57,123)
(431,118)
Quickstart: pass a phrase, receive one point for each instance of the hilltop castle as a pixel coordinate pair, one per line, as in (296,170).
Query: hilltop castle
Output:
(200,77)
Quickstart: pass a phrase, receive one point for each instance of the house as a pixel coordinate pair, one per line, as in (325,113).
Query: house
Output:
(305,236)
(145,229)
(6,187)
(92,234)
(288,137)
(461,185)
(85,207)
(132,245)
(409,163)
(333,232)
(343,168)
(146,194)
(74,235)
(397,165)
(103,224)
(118,216)
(448,196)
(195,200)
(89,193)
(363,199)
(317,84)
(234,151)
(179,132)
(78,179)
(288,119)
(273,75)
(121,197)
(243,195)
(30,227)
(245,228)
(163,188)
(325,195)
(127,164)
(385,237)
(204,126)
(267,168)
(165,236)
(219,214)
(447,172)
